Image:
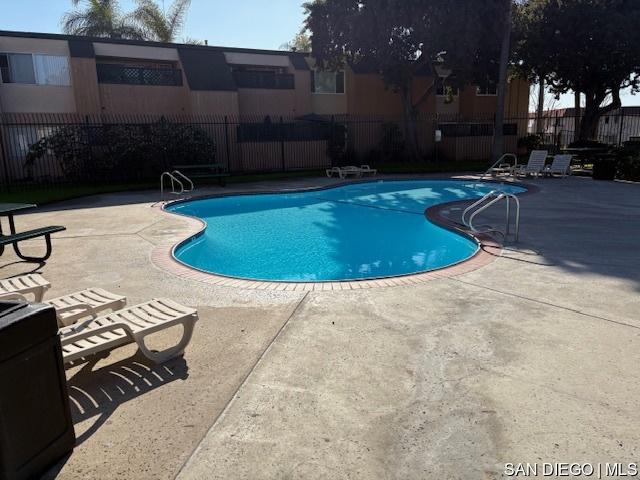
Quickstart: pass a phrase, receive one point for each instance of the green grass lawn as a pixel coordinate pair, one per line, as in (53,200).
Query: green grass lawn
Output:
(48,194)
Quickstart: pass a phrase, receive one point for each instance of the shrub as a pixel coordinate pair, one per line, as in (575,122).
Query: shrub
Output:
(530,142)
(629,168)
(131,151)
(604,169)
(589,144)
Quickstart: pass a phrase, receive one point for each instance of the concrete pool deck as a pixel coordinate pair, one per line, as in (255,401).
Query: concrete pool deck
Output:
(531,358)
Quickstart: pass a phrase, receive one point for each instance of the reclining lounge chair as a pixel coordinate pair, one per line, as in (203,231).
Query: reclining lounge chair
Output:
(31,284)
(132,324)
(561,165)
(535,165)
(69,308)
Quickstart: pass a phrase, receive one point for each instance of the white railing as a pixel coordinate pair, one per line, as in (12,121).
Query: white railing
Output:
(490,199)
(175,182)
(500,164)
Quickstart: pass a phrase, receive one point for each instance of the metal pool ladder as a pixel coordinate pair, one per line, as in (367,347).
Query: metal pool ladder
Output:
(490,199)
(178,179)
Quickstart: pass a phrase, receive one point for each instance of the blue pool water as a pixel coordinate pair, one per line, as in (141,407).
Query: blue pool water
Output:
(358,231)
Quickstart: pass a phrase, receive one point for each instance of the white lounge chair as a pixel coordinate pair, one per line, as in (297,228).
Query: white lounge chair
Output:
(132,324)
(333,171)
(561,165)
(86,303)
(535,165)
(344,172)
(366,169)
(502,166)
(31,284)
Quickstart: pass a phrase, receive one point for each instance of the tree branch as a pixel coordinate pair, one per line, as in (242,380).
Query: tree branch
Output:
(615,104)
(427,91)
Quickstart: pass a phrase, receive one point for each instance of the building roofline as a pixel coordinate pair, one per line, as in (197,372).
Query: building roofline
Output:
(144,43)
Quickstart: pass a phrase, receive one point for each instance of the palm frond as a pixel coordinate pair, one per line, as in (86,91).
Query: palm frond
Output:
(157,25)
(177,16)
(99,18)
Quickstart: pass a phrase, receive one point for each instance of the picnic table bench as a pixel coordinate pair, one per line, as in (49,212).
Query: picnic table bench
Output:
(212,170)
(14,238)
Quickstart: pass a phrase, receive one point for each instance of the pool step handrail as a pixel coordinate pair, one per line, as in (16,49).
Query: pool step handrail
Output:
(175,182)
(179,174)
(500,161)
(488,200)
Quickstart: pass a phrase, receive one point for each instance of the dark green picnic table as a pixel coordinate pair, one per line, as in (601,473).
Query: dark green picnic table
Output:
(14,238)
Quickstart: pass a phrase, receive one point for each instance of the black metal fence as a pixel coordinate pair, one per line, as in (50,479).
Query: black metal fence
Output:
(55,149)
(560,130)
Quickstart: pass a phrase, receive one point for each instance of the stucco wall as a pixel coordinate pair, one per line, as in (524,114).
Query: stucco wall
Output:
(368,95)
(239,58)
(85,85)
(16,98)
(214,103)
(135,51)
(144,99)
(267,102)
(34,45)
(329,103)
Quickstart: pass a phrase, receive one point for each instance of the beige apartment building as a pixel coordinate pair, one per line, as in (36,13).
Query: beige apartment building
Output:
(97,81)
(69,74)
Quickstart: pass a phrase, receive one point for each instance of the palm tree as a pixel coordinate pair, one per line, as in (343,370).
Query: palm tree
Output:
(100,18)
(158,25)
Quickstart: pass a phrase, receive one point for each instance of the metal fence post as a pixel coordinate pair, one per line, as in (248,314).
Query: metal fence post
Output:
(284,168)
(4,155)
(556,137)
(226,142)
(621,119)
(332,140)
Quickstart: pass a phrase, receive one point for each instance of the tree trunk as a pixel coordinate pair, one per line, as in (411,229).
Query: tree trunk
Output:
(498,131)
(593,112)
(410,123)
(540,112)
(590,118)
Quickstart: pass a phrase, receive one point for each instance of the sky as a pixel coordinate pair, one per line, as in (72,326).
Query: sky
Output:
(568,100)
(265,24)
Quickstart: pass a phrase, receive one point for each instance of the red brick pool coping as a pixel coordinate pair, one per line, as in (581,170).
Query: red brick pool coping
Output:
(489,249)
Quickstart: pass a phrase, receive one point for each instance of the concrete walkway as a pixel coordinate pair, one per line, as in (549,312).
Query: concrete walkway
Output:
(533,358)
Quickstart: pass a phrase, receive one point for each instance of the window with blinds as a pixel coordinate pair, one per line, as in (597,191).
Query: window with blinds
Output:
(27,68)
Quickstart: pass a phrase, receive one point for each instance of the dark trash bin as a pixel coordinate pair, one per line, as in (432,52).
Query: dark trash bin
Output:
(36,429)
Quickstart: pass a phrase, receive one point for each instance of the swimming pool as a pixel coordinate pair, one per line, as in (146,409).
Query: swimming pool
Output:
(357,231)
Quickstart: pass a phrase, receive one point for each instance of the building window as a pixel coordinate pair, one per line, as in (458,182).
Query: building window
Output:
(31,69)
(327,82)
(488,87)
(265,79)
(119,74)
(52,70)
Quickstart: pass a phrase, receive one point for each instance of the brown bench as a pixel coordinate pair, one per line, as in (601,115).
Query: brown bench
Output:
(213,170)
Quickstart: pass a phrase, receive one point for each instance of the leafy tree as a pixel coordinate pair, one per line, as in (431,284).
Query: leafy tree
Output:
(401,39)
(156,24)
(505,52)
(588,46)
(100,18)
(300,43)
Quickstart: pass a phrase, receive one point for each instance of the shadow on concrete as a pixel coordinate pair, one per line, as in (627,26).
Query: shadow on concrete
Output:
(30,267)
(98,393)
(580,226)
